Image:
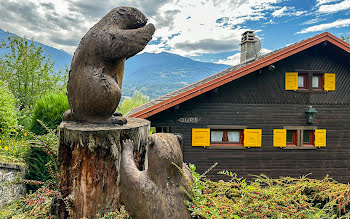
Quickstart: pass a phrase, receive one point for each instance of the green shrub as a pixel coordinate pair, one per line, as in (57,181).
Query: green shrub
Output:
(41,159)
(49,109)
(36,161)
(8,111)
(263,197)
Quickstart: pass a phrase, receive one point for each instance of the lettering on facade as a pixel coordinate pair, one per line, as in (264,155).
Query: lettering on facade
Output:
(189,120)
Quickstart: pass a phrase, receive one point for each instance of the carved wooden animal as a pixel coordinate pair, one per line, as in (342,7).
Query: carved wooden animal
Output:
(155,192)
(96,74)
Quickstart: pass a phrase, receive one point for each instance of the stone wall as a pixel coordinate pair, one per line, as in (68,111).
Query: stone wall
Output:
(10,191)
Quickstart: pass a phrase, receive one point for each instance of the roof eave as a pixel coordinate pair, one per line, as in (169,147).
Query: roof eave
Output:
(289,51)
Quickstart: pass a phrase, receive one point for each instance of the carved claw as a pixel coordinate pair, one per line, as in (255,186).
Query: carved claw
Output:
(68,115)
(119,120)
(128,144)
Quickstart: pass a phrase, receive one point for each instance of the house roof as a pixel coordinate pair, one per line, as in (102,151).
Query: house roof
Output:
(183,94)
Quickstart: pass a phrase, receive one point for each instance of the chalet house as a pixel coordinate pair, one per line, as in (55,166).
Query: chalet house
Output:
(286,113)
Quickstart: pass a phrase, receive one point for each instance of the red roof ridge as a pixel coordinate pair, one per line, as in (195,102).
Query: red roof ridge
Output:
(163,103)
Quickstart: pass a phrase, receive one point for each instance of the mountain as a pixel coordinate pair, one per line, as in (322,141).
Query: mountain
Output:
(153,74)
(60,57)
(159,74)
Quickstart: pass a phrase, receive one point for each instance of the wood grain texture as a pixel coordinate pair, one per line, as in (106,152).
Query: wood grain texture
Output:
(89,157)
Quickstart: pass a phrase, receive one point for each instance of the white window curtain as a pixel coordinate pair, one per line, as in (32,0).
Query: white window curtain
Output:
(315,81)
(300,81)
(233,136)
(216,136)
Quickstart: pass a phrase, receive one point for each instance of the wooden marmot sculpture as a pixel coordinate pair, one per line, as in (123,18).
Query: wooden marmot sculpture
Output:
(96,74)
(155,192)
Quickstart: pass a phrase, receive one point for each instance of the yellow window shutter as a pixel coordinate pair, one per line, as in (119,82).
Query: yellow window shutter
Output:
(252,138)
(201,137)
(329,81)
(320,137)
(279,137)
(291,81)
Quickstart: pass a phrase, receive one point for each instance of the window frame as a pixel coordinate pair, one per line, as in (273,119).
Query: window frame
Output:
(308,74)
(294,138)
(299,130)
(311,138)
(306,81)
(320,82)
(227,145)
(225,138)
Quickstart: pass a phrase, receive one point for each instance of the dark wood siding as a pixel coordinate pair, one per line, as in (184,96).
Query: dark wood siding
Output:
(259,101)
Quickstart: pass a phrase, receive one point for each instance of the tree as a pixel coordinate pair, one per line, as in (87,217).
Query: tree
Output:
(345,38)
(136,100)
(8,111)
(27,70)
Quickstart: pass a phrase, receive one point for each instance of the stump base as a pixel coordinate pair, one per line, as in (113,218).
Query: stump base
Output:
(89,163)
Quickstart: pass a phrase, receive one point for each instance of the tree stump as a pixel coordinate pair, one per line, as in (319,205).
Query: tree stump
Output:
(89,158)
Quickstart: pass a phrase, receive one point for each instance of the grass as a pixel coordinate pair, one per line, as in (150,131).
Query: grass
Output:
(4,158)
(8,210)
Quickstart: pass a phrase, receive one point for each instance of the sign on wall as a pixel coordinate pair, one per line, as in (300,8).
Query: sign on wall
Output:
(189,120)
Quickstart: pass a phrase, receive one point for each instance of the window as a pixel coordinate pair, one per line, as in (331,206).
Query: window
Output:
(291,137)
(302,81)
(307,80)
(310,81)
(163,129)
(317,81)
(308,137)
(226,137)
(300,135)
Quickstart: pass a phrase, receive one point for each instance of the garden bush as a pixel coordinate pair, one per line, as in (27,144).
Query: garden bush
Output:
(49,109)
(41,159)
(8,111)
(285,197)
(263,197)
(37,170)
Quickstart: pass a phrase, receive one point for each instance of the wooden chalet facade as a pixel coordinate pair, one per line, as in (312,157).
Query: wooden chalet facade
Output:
(250,118)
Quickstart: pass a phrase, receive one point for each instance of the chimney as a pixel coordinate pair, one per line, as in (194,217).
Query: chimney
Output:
(248,46)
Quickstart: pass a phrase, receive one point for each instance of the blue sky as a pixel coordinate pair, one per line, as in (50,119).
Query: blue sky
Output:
(205,30)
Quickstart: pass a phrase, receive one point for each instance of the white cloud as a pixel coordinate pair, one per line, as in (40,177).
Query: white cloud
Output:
(210,26)
(322,2)
(153,48)
(287,11)
(321,27)
(235,59)
(183,27)
(231,60)
(298,13)
(313,21)
(280,12)
(332,8)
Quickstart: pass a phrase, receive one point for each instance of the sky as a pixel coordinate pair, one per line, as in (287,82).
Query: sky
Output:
(204,30)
